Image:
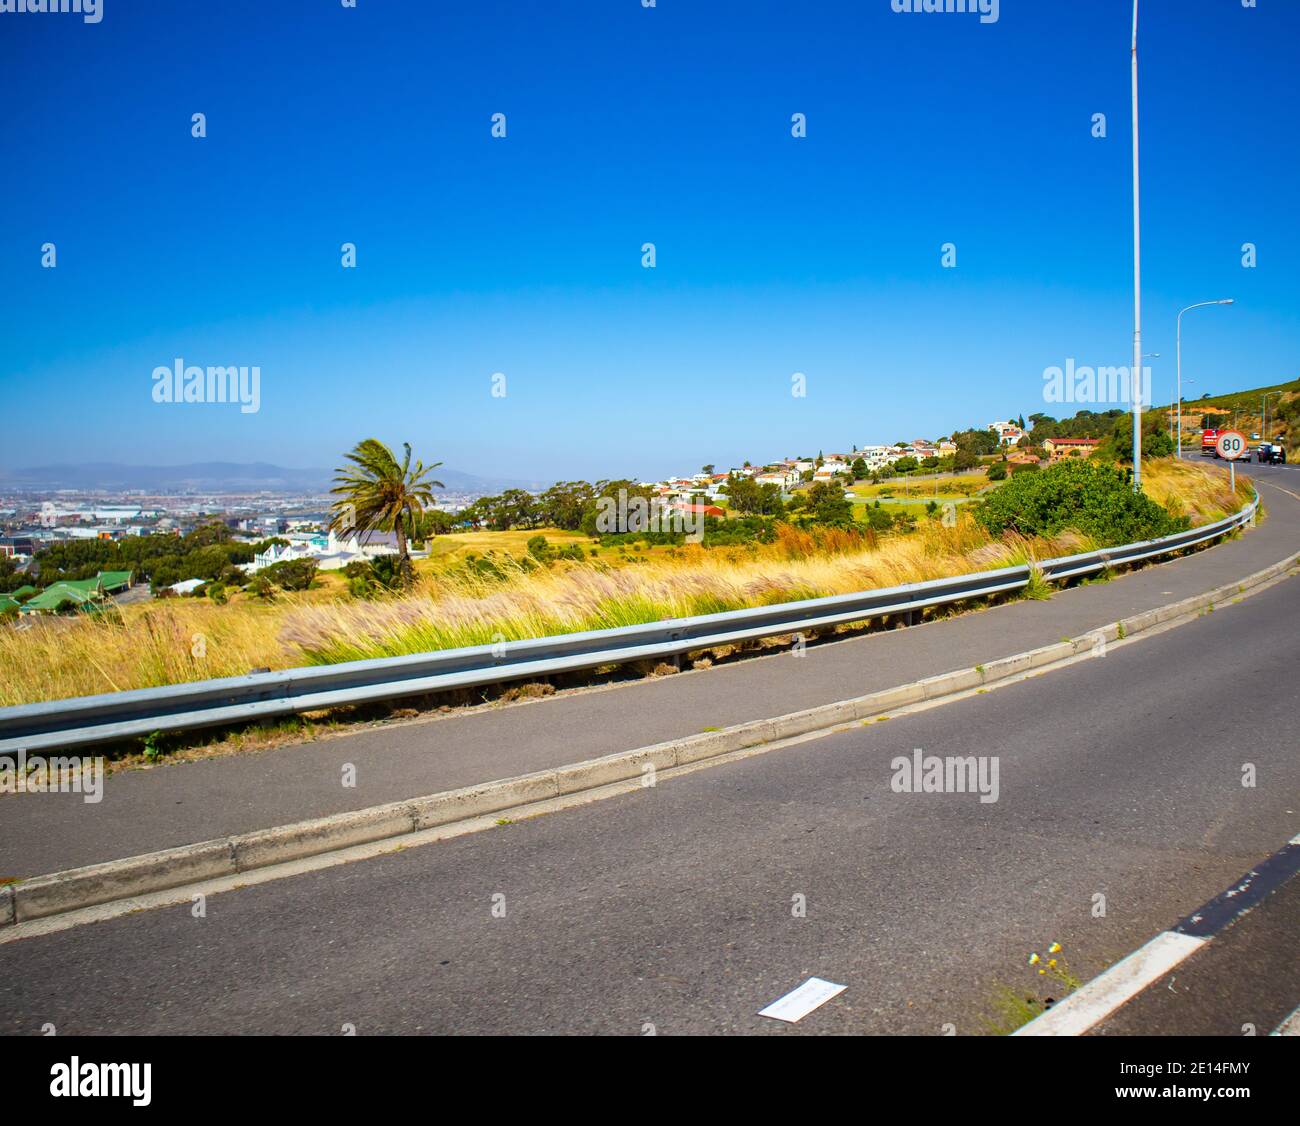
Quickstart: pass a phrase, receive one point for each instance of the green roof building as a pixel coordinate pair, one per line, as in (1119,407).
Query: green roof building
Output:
(84,594)
(115,581)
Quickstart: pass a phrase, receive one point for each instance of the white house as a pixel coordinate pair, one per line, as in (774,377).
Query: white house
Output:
(1009,434)
(329,552)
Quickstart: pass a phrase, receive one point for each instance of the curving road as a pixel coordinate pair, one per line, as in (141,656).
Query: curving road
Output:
(676,906)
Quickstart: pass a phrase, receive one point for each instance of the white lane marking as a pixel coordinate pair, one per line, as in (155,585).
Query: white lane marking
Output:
(1290,1026)
(798,1003)
(1122,982)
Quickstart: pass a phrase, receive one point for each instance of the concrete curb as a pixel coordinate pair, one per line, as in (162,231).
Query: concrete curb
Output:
(60,892)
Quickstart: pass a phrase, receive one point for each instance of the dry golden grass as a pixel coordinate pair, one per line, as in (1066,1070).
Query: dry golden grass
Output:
(1196,489)
(468,609)
(176,640)
(164,642)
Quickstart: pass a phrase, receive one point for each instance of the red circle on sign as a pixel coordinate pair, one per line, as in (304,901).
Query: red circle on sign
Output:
(1232,445)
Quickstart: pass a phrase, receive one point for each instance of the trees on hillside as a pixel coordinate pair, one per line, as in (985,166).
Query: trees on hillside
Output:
(823,503)
(977,442)
(747,496)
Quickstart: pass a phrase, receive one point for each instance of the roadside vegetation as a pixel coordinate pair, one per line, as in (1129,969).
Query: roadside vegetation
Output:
(482,587)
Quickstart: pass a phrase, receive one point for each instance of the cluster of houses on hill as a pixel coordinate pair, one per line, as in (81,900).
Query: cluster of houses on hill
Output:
(686,491)
(787,473)
(1011,435)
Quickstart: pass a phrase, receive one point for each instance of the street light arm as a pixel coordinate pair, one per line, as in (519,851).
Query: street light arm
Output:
(1202,304)
(1179,348)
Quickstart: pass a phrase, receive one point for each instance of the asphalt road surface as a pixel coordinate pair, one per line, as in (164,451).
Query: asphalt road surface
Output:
(678,906)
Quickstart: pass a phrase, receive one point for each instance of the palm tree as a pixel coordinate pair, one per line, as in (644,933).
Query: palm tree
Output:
(377,493)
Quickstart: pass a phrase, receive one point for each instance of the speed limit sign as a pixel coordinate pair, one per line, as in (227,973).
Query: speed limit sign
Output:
(1232,445)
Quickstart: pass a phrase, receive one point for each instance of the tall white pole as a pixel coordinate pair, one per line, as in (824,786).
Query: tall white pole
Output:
(1135,381)
(1180,385)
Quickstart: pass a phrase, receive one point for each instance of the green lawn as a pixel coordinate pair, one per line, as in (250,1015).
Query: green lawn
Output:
(453,548)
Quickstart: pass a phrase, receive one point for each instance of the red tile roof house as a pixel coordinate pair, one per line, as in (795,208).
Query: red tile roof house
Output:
(1058,448)
(698,509)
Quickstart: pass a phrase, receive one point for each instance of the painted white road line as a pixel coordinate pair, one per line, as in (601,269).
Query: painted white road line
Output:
(797,1004)
(1095,1001)
(1290,1026)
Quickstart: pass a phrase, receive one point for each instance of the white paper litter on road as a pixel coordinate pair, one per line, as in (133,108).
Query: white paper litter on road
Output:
(796,1005)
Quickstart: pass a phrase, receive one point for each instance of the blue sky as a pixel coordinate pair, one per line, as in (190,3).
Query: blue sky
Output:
(625,125)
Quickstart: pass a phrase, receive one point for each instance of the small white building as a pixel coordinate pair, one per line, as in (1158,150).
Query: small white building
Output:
(328,552)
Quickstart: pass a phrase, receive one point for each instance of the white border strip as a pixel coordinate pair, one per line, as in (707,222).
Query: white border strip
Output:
(1122,982)
(1289,1027)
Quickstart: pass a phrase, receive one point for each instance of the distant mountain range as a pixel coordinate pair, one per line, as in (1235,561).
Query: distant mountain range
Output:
(216,476)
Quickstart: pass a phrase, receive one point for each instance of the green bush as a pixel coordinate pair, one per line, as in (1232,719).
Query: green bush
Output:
(1090,497)
(292,574)
(260,587)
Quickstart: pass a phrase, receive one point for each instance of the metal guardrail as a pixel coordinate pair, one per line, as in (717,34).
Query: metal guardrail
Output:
(86,720)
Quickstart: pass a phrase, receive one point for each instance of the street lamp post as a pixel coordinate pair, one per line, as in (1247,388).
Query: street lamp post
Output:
(1198,305)
(1151,390)
(1264,411)
(1135,382)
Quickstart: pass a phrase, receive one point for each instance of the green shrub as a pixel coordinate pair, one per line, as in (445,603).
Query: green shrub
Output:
(1090,497)
(260,587)
(292,574)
